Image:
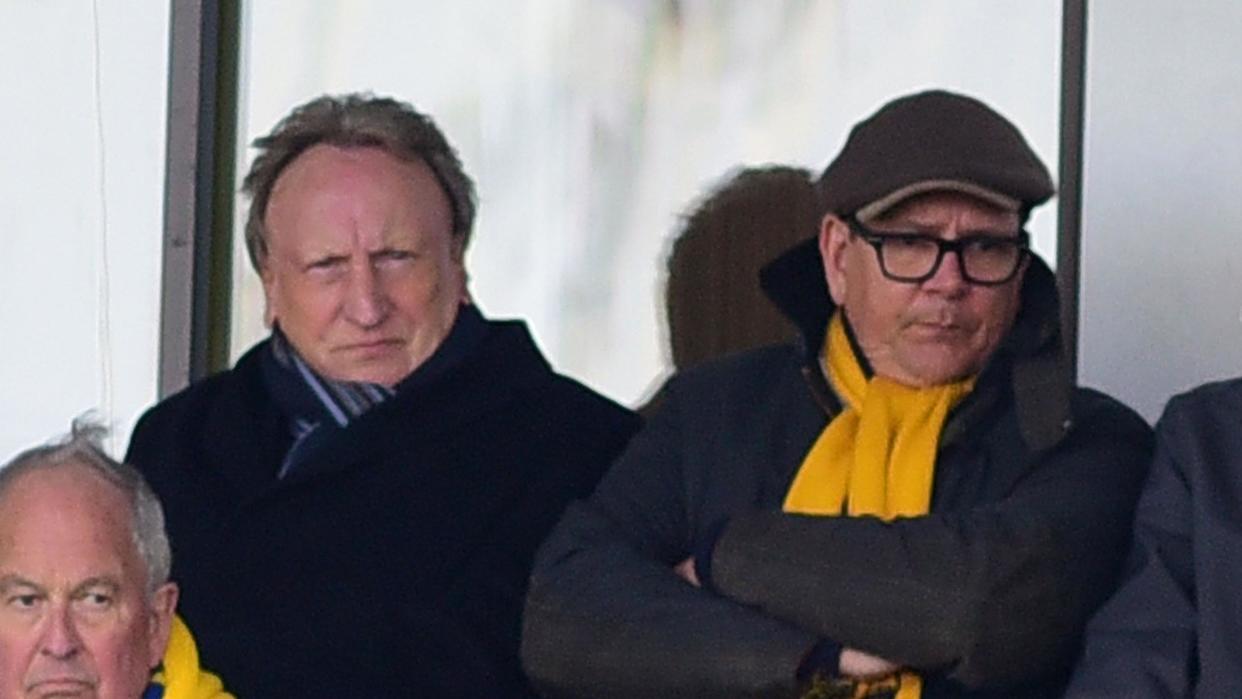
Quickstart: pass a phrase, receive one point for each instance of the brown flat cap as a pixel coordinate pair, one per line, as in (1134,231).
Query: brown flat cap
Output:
(933,141)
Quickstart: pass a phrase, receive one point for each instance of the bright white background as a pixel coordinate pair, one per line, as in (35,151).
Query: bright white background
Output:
(81,181)
(1161,288)
(590,125)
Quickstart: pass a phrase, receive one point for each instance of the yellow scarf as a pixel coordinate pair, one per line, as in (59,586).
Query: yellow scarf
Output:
(180,675)
(877,457)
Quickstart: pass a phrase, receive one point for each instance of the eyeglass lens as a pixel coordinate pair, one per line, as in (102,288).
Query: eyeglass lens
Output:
(983,259)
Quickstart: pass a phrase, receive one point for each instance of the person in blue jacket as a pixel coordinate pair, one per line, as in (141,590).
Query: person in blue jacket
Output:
(1173,629)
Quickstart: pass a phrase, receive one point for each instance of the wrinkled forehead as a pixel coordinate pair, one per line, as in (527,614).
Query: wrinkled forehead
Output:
(330,187)
(67,512)
(355,170)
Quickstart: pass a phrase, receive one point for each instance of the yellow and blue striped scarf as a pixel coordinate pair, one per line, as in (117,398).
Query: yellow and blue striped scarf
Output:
(179,676)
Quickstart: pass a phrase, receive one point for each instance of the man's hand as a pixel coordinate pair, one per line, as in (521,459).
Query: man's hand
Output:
(685,569)
(858,665)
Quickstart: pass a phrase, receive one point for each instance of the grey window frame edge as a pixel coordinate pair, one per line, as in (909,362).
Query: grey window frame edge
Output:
(1069,209)
(196,271)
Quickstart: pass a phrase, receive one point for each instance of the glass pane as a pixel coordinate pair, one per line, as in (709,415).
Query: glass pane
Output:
(1162,170)
(591,125)
(83,185)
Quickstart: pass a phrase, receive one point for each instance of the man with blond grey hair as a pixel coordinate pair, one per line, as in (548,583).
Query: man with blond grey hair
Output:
(355,505)
(86,606)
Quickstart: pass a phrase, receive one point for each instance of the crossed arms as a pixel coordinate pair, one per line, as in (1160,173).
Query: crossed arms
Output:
(988,596)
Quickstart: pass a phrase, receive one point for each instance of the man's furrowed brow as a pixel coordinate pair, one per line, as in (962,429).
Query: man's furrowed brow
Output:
(12,580)
(108,582)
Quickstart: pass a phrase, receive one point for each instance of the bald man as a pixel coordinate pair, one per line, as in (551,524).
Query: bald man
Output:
(86,607)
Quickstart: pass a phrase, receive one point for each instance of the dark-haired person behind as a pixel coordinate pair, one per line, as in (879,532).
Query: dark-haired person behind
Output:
(912,501)
(355,505)
(1174,627)
(712,302)
(712,299)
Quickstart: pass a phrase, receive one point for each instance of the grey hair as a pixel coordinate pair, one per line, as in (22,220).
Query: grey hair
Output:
(83,446)
(356,120)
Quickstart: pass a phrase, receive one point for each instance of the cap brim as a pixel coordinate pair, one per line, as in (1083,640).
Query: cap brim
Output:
(879,207)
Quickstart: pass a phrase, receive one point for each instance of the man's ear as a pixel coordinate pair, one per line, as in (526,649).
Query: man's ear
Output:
(458,253)
(269,288)
(834,234)
(457,248)
(163,607)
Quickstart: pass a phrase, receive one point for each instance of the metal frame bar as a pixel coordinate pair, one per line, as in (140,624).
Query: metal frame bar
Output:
(1069,210)
(202,98)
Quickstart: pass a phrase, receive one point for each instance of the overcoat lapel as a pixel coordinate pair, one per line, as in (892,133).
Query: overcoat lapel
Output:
(505,363)
(245,435)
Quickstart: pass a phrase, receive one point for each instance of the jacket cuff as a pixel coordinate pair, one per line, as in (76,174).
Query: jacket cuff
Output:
(703,550)
(824,658)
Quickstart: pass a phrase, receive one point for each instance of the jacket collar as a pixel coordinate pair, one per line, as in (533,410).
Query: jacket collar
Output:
(1031,354)
(505,362)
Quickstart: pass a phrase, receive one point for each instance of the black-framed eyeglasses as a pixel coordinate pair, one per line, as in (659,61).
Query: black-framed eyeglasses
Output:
(913,258)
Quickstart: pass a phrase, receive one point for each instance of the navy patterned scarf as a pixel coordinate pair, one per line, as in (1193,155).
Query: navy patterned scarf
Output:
(319,407)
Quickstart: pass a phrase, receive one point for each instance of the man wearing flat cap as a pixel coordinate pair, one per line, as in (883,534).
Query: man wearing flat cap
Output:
(913,501)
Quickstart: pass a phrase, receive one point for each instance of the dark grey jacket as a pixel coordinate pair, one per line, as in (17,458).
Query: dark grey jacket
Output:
(1174,629)
(1034,489)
